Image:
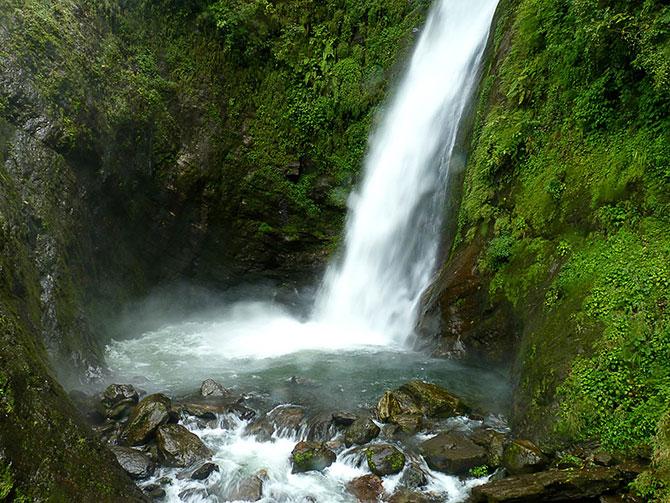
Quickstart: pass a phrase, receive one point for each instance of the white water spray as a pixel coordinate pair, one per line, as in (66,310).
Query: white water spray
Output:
(394,224)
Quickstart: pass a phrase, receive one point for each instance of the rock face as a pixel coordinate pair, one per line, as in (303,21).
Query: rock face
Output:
(367,488)
(179,447)
(522,456)
(135,463)
(211,388)
(361,432)
(149,414)
(384,459)
(311,456)
(118,400)
(453,453)
(553,485)
(406,405)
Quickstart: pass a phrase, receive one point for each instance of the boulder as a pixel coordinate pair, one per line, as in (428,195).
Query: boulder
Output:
(413,477)
(311,456)
(341,418)
(434,400)
(406,405)
(523,456)
(554,485)
(361,432)
(211,388)
(494,443)
(179,447)
(135,463)
(367,489)
(407,496)
(247,489)
(285,419)
(384,459)
(154,492)
(118,400)
(149,414)
(453,453)
(204,471)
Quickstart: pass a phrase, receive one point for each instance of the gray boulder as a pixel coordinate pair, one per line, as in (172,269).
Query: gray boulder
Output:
(179,447)
(135,463)
(453,453)
(149,414)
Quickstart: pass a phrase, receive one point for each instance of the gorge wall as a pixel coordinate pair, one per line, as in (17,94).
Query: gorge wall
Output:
(563,242)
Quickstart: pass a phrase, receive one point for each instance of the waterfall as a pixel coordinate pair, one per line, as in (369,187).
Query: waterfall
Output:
(395,219)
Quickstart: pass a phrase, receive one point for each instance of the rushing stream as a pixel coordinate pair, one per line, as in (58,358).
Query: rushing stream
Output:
(352,347)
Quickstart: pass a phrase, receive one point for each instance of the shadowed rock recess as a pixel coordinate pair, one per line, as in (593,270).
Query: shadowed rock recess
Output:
(213,142)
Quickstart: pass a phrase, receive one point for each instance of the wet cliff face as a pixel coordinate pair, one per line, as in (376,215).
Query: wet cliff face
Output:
(147,142)
(563,234)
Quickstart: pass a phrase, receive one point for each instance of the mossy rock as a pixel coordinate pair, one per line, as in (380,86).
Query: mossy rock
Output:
(384,459)
(523,456)
(311,456)
(361,432)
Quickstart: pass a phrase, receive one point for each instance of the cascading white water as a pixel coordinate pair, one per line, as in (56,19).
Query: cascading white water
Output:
(394,224)
(366,308)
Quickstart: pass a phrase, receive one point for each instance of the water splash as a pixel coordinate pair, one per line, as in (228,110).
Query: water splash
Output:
(394,225)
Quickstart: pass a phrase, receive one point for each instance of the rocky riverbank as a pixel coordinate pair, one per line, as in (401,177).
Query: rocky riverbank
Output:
(415,433)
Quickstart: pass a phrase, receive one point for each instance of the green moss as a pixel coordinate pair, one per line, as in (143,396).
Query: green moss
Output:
(567,184)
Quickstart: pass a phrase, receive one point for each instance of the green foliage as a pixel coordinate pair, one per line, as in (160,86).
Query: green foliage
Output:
(479,471)
(568,185)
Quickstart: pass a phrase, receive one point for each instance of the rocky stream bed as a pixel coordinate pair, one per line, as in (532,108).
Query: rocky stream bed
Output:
(420,443)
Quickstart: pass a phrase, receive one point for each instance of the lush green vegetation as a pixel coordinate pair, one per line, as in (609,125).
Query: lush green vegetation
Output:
(569,184)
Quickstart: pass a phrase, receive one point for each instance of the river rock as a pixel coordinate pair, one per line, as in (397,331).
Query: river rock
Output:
(493,441)
(554,485)
(179,447)
(523,456)
(149,414)
(413,477)
(384,459)
(367,488)
(118,400)
(211,388)
(341,418)
(205,471)
(453,453)
(135,463)
(311,456)
(247,489)
(282,419)
(407,496)
(361,432)
(407,404)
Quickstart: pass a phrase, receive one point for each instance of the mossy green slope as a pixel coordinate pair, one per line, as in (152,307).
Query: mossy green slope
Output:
(567,197)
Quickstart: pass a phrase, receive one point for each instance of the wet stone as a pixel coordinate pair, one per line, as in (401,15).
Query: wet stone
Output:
(149,414)
(179,447)
(453,453)
(361,432)
(204,471)
(311,456)
(522,456)
(247,489)
(344,418)
(367,488)
(211,388)
(384,459)
(135,463)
